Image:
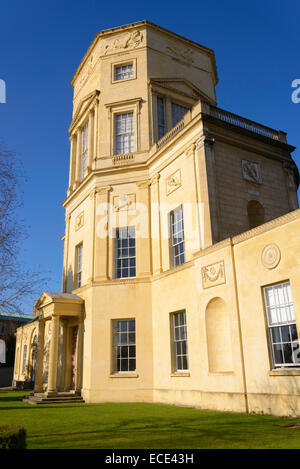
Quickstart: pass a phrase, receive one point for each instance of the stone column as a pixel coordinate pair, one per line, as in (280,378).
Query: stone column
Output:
(64,357)
(78,159)
(209,222)
(155,226)
(38,384)
(72,161)
(91,141)
(168,111)
(52,372)
(78,384)
(101,243)
(143,267)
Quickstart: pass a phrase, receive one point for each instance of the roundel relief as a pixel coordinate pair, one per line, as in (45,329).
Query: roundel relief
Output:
(271,256)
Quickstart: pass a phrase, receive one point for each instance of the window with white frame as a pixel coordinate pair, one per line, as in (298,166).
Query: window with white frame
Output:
(124,133)
(123,72)
(124,345)
(178,112)
(161,116)
(282,328)
(125,255)
(79,265)
(180,345)
(177,237)
(84,149)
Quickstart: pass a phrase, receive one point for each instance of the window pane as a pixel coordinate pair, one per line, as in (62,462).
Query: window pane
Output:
(177,237)
(180,341)
(178,112)
(124,335)
(125,258)
(278,354)
(161,116)
(124,135)
(123,72)
(280,310)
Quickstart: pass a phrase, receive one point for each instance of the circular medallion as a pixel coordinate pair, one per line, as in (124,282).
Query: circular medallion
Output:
(271,256)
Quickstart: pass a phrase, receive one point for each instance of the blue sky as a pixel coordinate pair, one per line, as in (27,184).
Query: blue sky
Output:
(42,42)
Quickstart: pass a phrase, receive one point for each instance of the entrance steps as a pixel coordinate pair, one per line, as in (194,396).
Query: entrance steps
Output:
(59,398)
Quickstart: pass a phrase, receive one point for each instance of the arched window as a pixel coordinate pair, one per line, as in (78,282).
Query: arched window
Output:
(219,348)
(256,214)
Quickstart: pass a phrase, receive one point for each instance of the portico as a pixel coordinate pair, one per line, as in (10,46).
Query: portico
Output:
(59,351)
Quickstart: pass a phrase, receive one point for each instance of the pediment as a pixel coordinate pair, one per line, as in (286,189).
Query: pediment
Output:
(83,105)
(181,86)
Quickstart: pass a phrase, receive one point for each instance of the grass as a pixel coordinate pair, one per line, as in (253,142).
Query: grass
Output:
(142,426)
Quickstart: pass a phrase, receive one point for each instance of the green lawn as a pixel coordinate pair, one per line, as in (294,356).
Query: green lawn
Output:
(146,426)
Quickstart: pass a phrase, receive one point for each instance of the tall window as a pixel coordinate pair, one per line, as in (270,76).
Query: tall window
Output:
(84,148)
(124,348)
(281,325)
(123,72)
(178,112)
(177,237)
(79,265)
(125,257)
(161,116)
(24,359)
(124,133)
(180,346)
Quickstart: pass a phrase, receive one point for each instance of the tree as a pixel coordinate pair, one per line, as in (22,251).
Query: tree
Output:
(16,281)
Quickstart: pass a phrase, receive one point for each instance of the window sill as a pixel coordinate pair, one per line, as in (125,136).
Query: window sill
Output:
(124,375)
(285,372)
(179,374)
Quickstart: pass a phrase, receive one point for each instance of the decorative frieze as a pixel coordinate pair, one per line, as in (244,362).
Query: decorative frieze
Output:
(213,275)
(173,182)
(271,256)
(251,171)
(129,41)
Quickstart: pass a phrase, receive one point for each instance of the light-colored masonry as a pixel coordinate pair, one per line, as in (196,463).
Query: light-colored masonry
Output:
(181,248)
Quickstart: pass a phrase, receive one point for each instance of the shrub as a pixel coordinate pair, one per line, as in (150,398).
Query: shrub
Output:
(12,437)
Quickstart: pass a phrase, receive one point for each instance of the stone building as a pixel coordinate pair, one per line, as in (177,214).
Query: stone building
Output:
(9,322)
(181,249)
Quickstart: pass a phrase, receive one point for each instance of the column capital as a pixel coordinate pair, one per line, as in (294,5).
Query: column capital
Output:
(144,184)
(154,179)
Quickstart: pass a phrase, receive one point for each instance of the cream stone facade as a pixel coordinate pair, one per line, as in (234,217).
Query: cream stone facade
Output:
(182,228)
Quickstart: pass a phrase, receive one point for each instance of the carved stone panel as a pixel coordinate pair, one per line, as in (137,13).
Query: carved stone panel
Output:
(79,222)
(124,202)
(173,182)
(252,171)
(213,275)
(271,256)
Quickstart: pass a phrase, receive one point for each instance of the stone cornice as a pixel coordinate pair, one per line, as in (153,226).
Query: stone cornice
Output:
(277,222)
